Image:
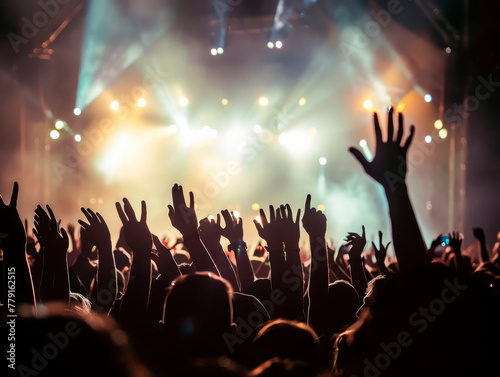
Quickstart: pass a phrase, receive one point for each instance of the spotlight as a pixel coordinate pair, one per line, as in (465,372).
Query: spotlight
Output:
(257,129)
(438,124)
(322,160)
(400,107)
(255,206)
(211,217)
(263,101)
(114,105)
(362,143)
(54,134)
(225,101)
(279,44)
(302,101)
(270,45)
(448,50)
(59,124)
(236,214)
(427,98)
(183,101)
(321,207)
(77,111)
(78,138)
(213,51)
(220,50)
(428,139)
(141,102)
(258,219)
(368,104)
(443,133)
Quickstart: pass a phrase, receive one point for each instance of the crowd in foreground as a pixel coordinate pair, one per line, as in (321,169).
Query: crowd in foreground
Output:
(145,307)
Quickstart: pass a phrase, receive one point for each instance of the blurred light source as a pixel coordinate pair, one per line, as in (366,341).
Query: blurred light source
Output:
(279,44)
(438,124)
(322,160)
(141,102)
(321,207)
(448,50)
(54,134)
(258,219)
(225,101)
(59,124)
(114,105)
(236,214)
(257,129)
(263,101)
(172,129)
(220,50)
(400,107)
(302,101)
(270,45)
(210,218)
(78,138)
(183,101)
(255,206)
(77,111)
(443,133)
(428,139)
(362,143)
(213,51)
(427,98)
(283,138)
(368,104)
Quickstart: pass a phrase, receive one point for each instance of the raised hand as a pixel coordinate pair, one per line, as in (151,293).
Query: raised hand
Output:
(381,253)
(357,243)
(388,167)
(50,235)
(183,218)
(479,234)
(12,231)
(436,241)
(269,230)
(137,233)
(288,228)
(233,230)
(313,221)
(96,231)
(210,230)
(456,241)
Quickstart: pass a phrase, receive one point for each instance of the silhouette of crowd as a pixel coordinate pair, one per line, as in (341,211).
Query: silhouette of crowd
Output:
(145,307)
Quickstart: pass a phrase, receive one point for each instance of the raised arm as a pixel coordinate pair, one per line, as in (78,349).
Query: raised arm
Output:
(54,244)
(13,245)
(233,231)
(381,253)
(184,219)
(138,238)
(389,168)
(456,244)
(357,244)
(98,235)
(314,222)
(479,234)
(210,233)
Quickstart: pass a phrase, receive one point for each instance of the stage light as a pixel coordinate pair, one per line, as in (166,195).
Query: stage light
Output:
(59,124)
(236,214)
(368,104)
(302,101)
(322,160)
(78,138)
(255,206)
(443,133)
(438,124)
(279,44)
(321,208)
(270,45)
(54,134)
(213,51)
(77,111)
(225,101)
(114,105)
(400,107)
(258,219)
(448,50)
(183,101)
(428,139)
(220,50)
(210,218)
(263,101)
(141,102)
(257,129)
(283,138)
(427,98)
(362,143)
